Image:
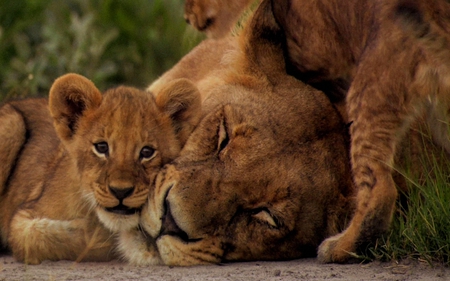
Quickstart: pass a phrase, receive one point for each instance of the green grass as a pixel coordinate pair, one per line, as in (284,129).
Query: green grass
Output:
(109,41)
(421,228)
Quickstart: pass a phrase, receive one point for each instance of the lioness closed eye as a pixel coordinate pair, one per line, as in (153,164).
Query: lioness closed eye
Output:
(78,168)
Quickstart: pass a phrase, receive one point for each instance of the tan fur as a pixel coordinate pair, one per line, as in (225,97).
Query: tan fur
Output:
(265,174)
(61,191)
(204,66)
(214,17)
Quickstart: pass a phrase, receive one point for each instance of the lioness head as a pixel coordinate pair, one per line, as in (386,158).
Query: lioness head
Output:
(263,176)
(120,140)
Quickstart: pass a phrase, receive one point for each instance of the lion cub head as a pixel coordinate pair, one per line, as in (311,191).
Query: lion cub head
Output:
(120,140)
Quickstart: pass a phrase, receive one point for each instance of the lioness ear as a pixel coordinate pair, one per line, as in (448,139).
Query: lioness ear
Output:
(180,99)
(70,96)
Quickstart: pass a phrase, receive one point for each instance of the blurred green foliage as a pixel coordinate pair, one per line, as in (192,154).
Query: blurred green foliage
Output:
(109,41)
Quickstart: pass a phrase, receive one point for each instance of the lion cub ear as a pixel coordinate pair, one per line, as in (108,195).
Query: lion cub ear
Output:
(71,95)
(180,100)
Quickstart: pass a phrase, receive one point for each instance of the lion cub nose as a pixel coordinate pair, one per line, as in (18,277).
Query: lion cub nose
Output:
(121,193)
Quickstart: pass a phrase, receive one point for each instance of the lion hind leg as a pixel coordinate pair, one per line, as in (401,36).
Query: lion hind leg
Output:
(380,118)
(33,240)
(372,218)
(12,138)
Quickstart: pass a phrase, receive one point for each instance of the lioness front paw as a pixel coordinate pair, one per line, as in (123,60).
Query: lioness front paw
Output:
(336,249)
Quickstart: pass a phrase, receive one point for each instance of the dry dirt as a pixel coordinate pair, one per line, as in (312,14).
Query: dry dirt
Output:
(305,269)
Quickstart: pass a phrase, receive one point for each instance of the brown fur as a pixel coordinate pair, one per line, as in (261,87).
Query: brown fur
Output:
(214,17)
(332,44)
(59,182)
(265,174)
(428,23)
(204,66)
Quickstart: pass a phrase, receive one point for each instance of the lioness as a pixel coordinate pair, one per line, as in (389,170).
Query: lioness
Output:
(264,176)
(355,51)
(77,168)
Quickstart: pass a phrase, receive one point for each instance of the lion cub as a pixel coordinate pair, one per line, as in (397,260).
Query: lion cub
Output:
(77,169)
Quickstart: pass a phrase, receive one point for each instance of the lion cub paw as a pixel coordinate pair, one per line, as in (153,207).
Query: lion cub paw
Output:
(336,249)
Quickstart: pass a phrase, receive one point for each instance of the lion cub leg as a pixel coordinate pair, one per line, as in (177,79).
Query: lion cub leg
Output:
(12,137)
(34,239)
(380,114)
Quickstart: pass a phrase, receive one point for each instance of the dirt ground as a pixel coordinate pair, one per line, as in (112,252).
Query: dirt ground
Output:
(305,269)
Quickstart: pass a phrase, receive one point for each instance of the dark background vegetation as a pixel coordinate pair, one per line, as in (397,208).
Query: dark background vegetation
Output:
(109,41)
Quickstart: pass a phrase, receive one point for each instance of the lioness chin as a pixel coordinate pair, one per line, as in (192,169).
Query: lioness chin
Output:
(77,168)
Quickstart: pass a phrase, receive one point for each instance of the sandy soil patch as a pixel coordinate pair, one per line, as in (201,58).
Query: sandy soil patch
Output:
(305,269)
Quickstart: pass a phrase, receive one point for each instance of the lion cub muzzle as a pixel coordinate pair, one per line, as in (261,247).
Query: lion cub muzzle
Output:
(121,194)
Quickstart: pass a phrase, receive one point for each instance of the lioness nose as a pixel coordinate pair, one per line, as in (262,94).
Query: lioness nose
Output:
(121,193)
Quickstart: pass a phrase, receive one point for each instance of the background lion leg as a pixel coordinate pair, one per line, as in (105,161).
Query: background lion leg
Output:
(34,239)
(12,138)
(375,206)
(380,114)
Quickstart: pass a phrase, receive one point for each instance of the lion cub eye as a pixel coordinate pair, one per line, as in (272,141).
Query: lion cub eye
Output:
(146,153)
(101,148)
